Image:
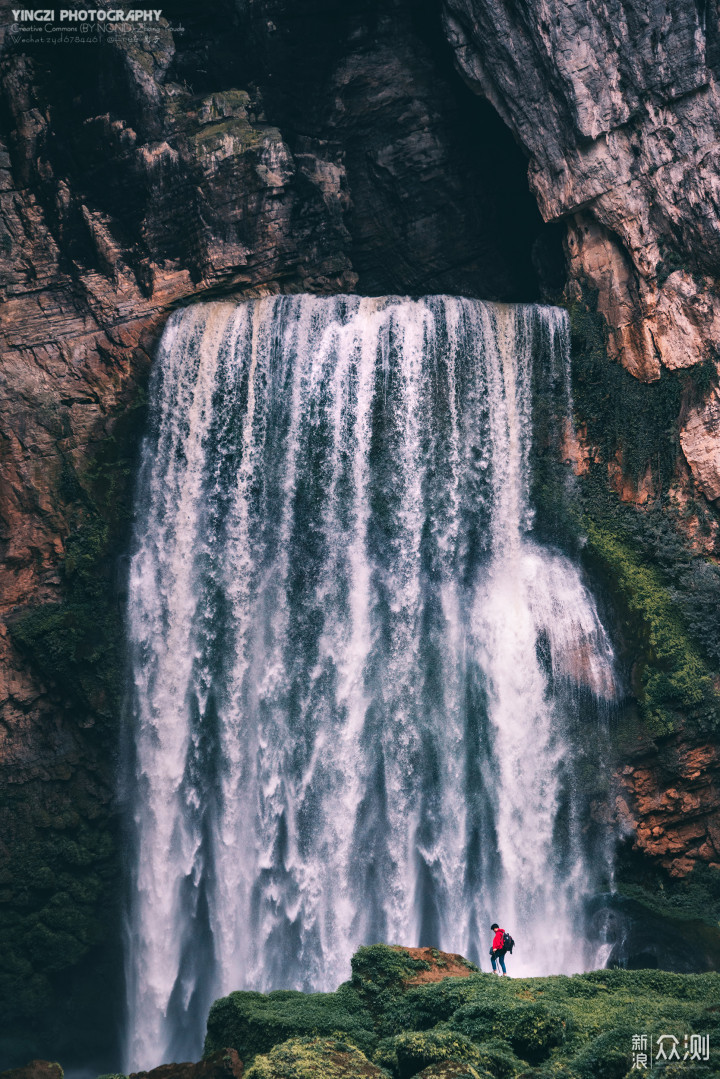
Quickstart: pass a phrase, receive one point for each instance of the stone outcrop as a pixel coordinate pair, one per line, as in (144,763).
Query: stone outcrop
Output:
(440,965)
(670,804)
(224,1064)
(36,1069)
(617,107)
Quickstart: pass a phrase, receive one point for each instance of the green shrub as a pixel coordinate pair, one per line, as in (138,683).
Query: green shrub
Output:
(454,1069)
(606,1057)
(313,1058)
(536,1029)
(496,1058)
(252,1023)
(424,1006)
(483,1019)
(416,1050)
(384,967)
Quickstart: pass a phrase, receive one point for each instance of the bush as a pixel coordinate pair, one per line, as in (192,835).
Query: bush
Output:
(496,1058)
(253,1023)
(384,967)
(312,1058)
(453,1069)
(483,1019)
(607,1057)
(423,1007)
(536,1029)
(416,1050)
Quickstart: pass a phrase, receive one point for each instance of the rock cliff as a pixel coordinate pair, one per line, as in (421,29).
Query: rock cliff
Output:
(617,107)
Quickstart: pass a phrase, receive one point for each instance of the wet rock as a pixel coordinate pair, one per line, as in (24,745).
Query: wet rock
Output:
(36,1069)
(636,938)
(224,1064)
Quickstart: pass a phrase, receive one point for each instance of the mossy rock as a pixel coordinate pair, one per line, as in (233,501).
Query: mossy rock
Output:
(453,1069)
(537,1029)
(314,1058)
(483,1019)
(423,1007)
(417,1050)
(608,1056)
(253,1023)
(384,967)
(497,1058)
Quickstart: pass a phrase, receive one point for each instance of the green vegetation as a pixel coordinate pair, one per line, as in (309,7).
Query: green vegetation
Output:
(625,418)
(671,680)
(309,1058)
(253,1023)
(580,1027)
(665,595)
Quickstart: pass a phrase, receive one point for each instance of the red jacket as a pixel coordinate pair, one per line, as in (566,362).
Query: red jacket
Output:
(498,940)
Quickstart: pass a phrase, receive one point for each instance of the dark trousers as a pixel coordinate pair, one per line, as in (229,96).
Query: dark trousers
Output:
(500,958)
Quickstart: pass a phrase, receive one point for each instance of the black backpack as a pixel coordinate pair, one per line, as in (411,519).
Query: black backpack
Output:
(508,943)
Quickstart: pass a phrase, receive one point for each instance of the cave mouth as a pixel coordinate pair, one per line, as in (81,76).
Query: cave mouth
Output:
(437,194)
(438,186)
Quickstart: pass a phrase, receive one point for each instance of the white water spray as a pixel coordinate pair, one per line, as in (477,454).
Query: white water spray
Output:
(357,678)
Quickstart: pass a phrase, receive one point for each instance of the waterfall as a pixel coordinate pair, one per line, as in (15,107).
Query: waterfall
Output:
(359,683)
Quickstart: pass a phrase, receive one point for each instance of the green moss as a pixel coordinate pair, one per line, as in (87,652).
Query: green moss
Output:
(311,1058)
(671,680)
(416,1050)
(579,1027)
(384,967)
(454,1069)
(253,1023)
(695,898)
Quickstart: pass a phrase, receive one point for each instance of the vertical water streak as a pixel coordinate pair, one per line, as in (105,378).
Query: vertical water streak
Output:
(358,679)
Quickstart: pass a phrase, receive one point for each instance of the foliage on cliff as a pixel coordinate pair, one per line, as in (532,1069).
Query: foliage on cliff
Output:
(665,594)
(670,678)
(580,1026)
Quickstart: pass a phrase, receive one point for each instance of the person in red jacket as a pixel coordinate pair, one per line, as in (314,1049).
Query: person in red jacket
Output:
(497,952)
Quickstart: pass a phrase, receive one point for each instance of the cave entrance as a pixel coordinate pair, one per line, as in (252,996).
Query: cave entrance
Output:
(438,195)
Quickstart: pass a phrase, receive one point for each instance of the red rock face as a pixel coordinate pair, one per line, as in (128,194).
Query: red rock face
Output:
(670,801)
(442,965)
(619,115)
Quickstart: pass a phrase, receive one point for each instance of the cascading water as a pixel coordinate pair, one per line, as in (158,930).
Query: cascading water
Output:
(358,681)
